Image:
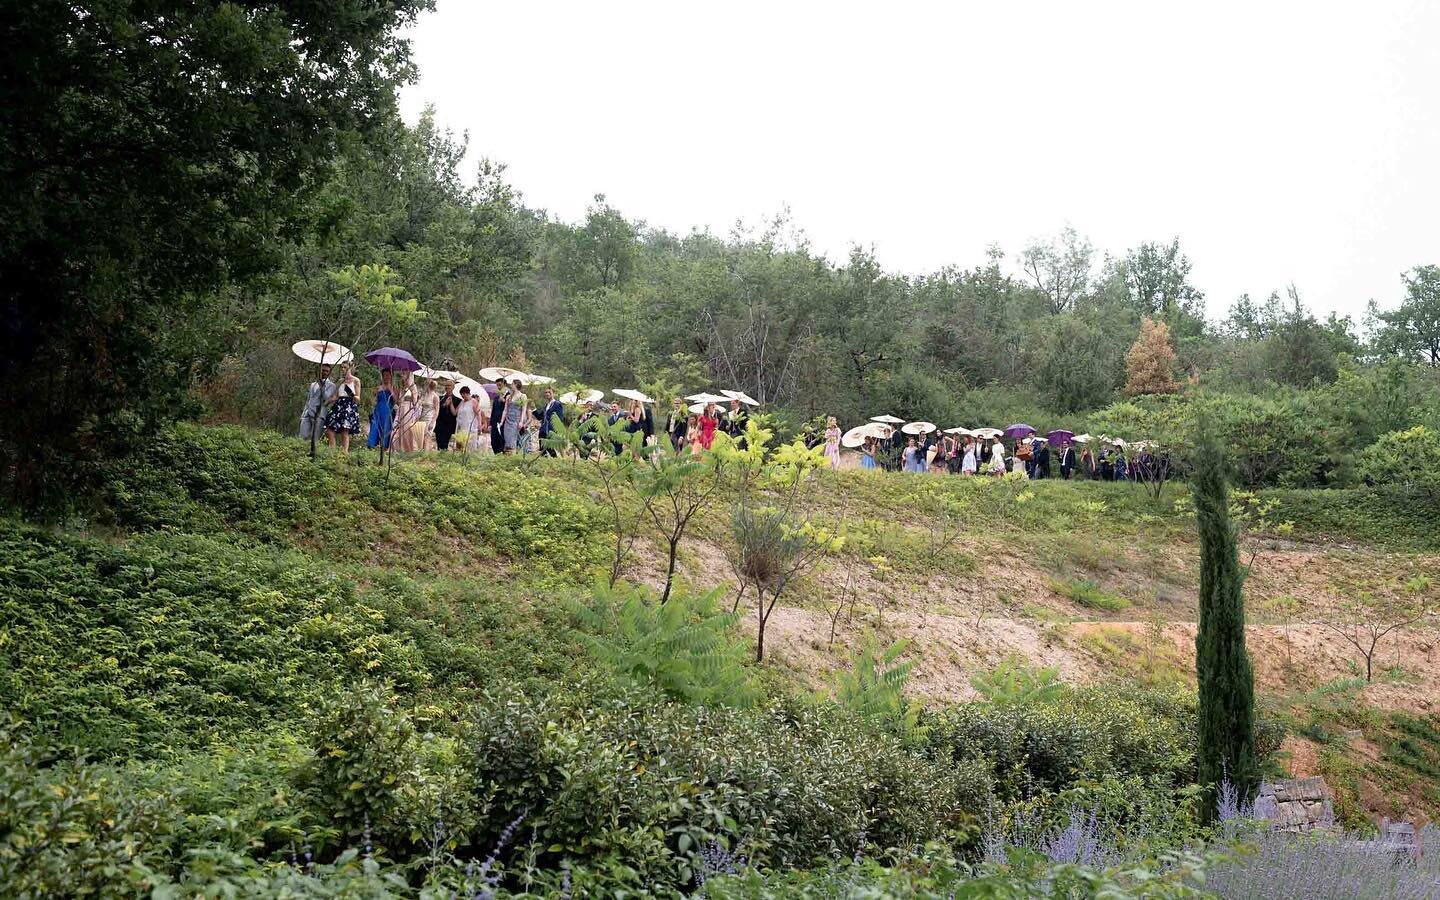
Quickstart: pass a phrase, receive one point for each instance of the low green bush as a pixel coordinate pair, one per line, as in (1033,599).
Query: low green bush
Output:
(1088,594)
(633,789)
(1093,733)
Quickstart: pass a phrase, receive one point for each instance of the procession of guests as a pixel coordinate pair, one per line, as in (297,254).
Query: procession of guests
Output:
(409,414)
(1031,456)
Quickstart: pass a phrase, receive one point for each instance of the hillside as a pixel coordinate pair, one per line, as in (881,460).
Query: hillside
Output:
(191,630)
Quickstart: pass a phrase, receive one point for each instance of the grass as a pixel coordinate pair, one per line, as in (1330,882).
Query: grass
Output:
(1088,594)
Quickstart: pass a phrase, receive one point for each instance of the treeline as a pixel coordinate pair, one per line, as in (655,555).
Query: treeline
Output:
(182,206)
(610,301)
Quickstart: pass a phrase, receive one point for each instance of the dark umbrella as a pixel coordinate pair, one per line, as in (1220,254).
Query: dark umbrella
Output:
(1018,431)
(393,358)
(1060,436)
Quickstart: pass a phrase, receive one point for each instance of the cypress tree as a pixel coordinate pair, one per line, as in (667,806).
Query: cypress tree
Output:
(1222,667)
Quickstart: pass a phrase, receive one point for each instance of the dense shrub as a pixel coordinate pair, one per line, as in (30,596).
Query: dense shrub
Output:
(177,640)
(1089,733)
(633,789)
(364,770)
(1405,459)
(64,831)
(1388,516)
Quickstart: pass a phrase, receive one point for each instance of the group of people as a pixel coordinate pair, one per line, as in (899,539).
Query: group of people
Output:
(408,415)
(967,455)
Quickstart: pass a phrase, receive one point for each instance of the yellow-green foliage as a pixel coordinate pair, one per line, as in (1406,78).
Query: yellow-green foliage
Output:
(1088,594)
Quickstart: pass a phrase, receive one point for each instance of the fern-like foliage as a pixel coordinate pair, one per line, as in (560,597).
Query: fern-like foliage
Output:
(1013,683)
(685,647)
(874,688)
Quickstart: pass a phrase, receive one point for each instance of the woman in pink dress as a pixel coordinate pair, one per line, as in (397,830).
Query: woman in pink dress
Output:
(832,442)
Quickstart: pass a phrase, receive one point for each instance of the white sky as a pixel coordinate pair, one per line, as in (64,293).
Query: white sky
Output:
(1280,141)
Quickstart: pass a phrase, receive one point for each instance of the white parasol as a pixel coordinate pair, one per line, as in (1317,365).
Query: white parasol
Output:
(322,352)
(530,378)
(436,374)
(697,408)
(856,436)
(961,432)
(1081,439)
(632,394)
(705,397)
(918,427)
(989,433)
(497,373)
(742,397)
(589,396)
(476,388)
(887,419)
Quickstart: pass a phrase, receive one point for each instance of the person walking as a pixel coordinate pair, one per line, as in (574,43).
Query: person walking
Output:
(997,458)
(407,413)
(969,465)
(516,406)
(318,397)
(1042,459)
(445,417)
(552,414)
(709,421)
(429,406)
(344,417)
(466,421)
(497,417)
(832,442)
(678,426)
(1067,460)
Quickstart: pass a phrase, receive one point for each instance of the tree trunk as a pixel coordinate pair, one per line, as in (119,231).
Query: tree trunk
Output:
(670,571)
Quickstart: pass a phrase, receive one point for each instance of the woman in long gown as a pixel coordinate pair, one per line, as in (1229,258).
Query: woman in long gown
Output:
(832,442)
(407,413)
(382,418)
(997,458)
(429,404)
(515,405)
(969,465)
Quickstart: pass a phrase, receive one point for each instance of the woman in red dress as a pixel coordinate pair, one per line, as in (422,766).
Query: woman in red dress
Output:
(709,421)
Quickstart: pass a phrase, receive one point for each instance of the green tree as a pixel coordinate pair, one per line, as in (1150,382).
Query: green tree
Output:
(1413,329)
(1158,276)
(1222,665)
(676,487)
(1060,269)
(151,154)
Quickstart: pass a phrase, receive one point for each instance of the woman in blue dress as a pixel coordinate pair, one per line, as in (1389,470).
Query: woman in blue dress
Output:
(382,420)
(914,462)
(867,455)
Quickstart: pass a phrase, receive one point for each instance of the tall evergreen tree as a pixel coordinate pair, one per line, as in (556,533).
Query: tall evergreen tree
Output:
(1222,666)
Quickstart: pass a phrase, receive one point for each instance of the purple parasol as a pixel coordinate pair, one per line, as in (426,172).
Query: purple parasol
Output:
(1018,431)
(1060,436)
(393,358)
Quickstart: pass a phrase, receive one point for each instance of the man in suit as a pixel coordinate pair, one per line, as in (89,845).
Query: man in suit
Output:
(553,411)
(1067,460)
(1042,459)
